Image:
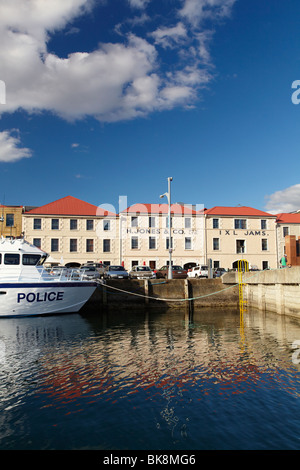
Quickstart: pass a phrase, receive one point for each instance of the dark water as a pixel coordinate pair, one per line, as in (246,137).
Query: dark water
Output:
(151,381)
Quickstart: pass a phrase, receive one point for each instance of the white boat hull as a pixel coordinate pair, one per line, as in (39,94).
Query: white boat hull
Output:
(43,298)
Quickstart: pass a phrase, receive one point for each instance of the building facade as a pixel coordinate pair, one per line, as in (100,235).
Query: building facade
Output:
(73,232)
(288,229)
(11,221)
(234,233)
(145,235)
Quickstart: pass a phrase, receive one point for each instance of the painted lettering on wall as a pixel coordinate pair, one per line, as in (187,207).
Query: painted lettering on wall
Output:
(157,231)
(40,296)
(248,232)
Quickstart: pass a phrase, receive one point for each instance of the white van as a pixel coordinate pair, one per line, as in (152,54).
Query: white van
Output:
(198,271)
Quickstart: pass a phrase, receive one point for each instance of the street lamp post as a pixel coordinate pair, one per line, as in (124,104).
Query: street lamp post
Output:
(168,195)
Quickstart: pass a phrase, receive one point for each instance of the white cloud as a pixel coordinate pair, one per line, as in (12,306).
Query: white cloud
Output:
(195,11)
(285,200)
(115,81)
(10,151)
(169,37)
(138,3)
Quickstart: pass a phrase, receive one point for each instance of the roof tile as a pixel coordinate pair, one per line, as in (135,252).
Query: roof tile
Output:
(70,205)
(238,211)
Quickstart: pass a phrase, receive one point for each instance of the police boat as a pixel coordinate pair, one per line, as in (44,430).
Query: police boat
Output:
(28,288)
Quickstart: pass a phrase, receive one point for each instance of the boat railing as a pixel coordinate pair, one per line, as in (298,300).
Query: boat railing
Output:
(42,274)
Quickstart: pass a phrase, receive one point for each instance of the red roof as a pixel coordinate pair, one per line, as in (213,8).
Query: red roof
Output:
(160,209)
(70,205)
(288,218)
(238,210)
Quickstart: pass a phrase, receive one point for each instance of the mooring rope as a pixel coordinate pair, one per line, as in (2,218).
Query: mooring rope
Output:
(167,299)
(180,300)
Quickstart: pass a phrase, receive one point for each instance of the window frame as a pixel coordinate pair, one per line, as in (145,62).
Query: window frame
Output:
(52,240)
(73,245)
(240,224)
(53,227)
(106,245)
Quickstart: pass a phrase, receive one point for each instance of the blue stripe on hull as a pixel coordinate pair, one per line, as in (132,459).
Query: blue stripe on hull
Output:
(47,284)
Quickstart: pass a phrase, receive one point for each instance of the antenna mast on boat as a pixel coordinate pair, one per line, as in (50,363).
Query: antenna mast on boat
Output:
(2,217)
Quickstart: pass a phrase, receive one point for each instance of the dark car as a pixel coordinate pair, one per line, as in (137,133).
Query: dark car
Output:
(218,272)
(115,272)
(178,272)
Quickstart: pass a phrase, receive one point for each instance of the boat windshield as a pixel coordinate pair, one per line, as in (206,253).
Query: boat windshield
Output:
(31,260)
(42,260)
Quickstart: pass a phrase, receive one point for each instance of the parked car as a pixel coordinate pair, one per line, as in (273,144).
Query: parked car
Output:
(218,272)
(89,272)
(115,272)
(141,272)
(198,271)
(99,266)
(178,272)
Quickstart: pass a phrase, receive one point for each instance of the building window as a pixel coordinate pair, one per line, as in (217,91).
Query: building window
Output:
(90,224)
(134,243)
(106,245)
(216,243)
(37,224)
(265,264)
(73,245)
(134,263)
(264,244)
(240,246)
(152,264)
(215,223)
(167,243)
(54,244)
(152,222)
(134,221)
(73,224)
(54,224)
(285,231)
(106,225)
(216,264)
(263,224)
(90,245)
(37,242)
(187,243)
(10,219)
(240,223)
(152,243)
(187,222)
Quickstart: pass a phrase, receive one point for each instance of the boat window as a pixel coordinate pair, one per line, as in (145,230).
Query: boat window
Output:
(11,258)
(30,260)
(42,260)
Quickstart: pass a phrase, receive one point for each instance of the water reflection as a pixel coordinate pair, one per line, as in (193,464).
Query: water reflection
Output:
(150,380)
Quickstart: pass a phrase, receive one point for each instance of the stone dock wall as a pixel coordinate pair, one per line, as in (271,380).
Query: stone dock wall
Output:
(156,293)
(275,290)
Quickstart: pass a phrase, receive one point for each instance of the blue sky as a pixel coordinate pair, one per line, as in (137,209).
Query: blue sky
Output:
(108,98)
